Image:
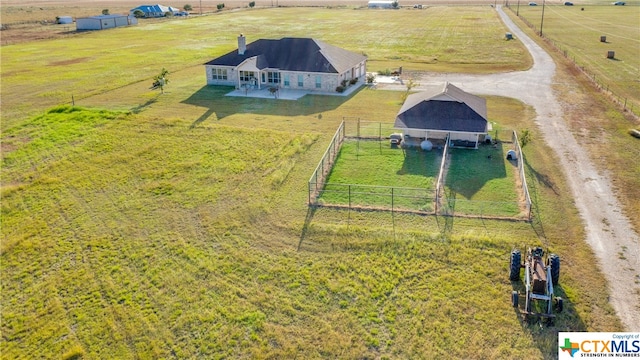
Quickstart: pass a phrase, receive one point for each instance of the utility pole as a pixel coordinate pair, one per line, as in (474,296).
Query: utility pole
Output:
(542,20)
(200,7)
(518,9)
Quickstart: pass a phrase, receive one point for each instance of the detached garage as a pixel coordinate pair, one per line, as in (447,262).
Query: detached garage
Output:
(445,112)
(104,22)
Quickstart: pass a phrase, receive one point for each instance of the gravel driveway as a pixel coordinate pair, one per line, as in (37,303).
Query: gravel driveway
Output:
(607,229)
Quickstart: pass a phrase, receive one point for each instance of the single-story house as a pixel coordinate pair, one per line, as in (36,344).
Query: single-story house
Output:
(104,22)
(381,4)
(151,11)
(288,63)
(444,112)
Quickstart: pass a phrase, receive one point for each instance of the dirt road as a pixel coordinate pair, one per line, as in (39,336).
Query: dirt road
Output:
(609,232)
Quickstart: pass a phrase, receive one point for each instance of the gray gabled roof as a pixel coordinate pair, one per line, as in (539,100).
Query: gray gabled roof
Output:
(443,109)
(293,54)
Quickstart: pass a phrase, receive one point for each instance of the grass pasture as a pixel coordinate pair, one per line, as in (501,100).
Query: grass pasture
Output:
(146,237)
(49,73)
(176,225)
(577,32)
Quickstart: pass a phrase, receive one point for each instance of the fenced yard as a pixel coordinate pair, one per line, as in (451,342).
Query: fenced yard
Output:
(360,170)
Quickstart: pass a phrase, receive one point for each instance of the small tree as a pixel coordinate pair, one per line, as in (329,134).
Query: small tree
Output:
(274,91)
(220,6)
(138,14)
(371,78)
(525,137)
(187,7)
(410,85)
(252,4)
(394,4)
(160,80)
(105,11)
(168,14)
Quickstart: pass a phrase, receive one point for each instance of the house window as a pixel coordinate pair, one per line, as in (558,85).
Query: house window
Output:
(318,81)
(219,74)
(247,75)
(286,80)
(273,77)
(300,81)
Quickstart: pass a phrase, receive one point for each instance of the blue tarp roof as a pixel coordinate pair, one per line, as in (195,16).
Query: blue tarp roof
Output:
(155,8)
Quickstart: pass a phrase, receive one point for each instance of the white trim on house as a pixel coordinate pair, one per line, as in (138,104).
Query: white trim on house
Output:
(308,64)
(329,81)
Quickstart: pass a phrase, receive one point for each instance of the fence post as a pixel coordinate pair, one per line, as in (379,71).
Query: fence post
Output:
(309,188)
(392,200)
(435,205)
(349,196)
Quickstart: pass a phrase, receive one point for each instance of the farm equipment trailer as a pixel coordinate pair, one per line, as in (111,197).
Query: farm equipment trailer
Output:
(540,276)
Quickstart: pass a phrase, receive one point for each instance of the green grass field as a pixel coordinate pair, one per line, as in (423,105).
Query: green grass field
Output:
(478,185)
(53,75)
(365,172)
(372,169)
(578,32)
(176,225)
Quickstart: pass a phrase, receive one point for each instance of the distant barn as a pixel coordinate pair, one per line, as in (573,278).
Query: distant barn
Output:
(64,20)
(104,22)
(381,4)
(152,11)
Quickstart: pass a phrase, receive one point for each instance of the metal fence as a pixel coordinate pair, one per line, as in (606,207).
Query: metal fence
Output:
(317,180)
(435,199)
(371,197)
(440,181)
(624,102)
(523,178)
(365,129)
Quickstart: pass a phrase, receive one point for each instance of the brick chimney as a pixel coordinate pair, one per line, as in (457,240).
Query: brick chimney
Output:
(242,44)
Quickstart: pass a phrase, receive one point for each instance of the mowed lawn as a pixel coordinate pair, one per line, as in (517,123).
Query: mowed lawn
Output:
(369,173)
(482,182)
(577,30)
(177,226)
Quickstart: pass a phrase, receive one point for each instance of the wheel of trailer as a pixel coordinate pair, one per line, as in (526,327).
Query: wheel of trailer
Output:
(514,299)
(554,262)
(559,304)
(514,266)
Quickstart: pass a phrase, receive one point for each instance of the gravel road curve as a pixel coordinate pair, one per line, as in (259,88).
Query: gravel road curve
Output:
(608,230)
